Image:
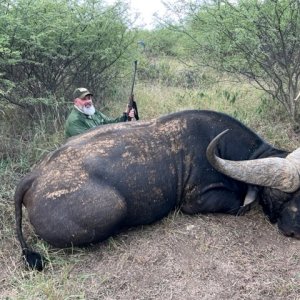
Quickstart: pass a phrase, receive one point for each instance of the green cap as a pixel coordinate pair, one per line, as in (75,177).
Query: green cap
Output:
(81,93)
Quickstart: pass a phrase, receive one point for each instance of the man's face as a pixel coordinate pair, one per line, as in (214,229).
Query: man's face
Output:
(87,101)
(86,105)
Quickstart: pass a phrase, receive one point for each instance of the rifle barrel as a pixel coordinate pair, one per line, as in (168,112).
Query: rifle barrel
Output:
(133,77)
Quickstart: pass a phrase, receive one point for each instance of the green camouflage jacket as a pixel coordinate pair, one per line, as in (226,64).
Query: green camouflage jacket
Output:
(77,122)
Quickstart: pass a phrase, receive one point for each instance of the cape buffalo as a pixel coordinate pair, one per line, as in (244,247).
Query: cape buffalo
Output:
(128,174)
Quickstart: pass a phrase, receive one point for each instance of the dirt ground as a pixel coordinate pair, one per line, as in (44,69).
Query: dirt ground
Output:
(184,257)
(200,257)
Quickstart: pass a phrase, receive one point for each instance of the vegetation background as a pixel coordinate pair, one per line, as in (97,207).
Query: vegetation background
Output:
(241,59)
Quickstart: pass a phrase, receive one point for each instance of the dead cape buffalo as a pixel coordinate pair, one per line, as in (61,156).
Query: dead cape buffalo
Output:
(128,174)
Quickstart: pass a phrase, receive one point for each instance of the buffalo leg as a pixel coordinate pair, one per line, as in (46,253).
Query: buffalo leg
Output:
(213,200)
(88,215)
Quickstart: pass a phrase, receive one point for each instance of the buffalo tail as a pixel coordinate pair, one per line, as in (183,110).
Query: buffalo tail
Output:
(33,260)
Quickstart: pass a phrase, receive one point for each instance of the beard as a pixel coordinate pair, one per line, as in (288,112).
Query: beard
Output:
(88,110)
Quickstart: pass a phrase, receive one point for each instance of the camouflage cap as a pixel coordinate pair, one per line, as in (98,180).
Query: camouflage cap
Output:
(81,93)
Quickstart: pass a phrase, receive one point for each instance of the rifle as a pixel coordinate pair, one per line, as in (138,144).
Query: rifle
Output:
(132,103)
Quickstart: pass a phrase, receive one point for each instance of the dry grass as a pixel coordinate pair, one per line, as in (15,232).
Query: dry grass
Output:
(180,257)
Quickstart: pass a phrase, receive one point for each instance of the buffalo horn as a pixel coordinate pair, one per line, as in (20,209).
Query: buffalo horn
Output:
(275,172)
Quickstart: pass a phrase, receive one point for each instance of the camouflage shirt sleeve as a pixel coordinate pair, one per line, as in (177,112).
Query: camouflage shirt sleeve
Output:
(107,120)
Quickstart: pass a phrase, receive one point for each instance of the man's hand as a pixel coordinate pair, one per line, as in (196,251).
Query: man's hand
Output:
(131,114)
